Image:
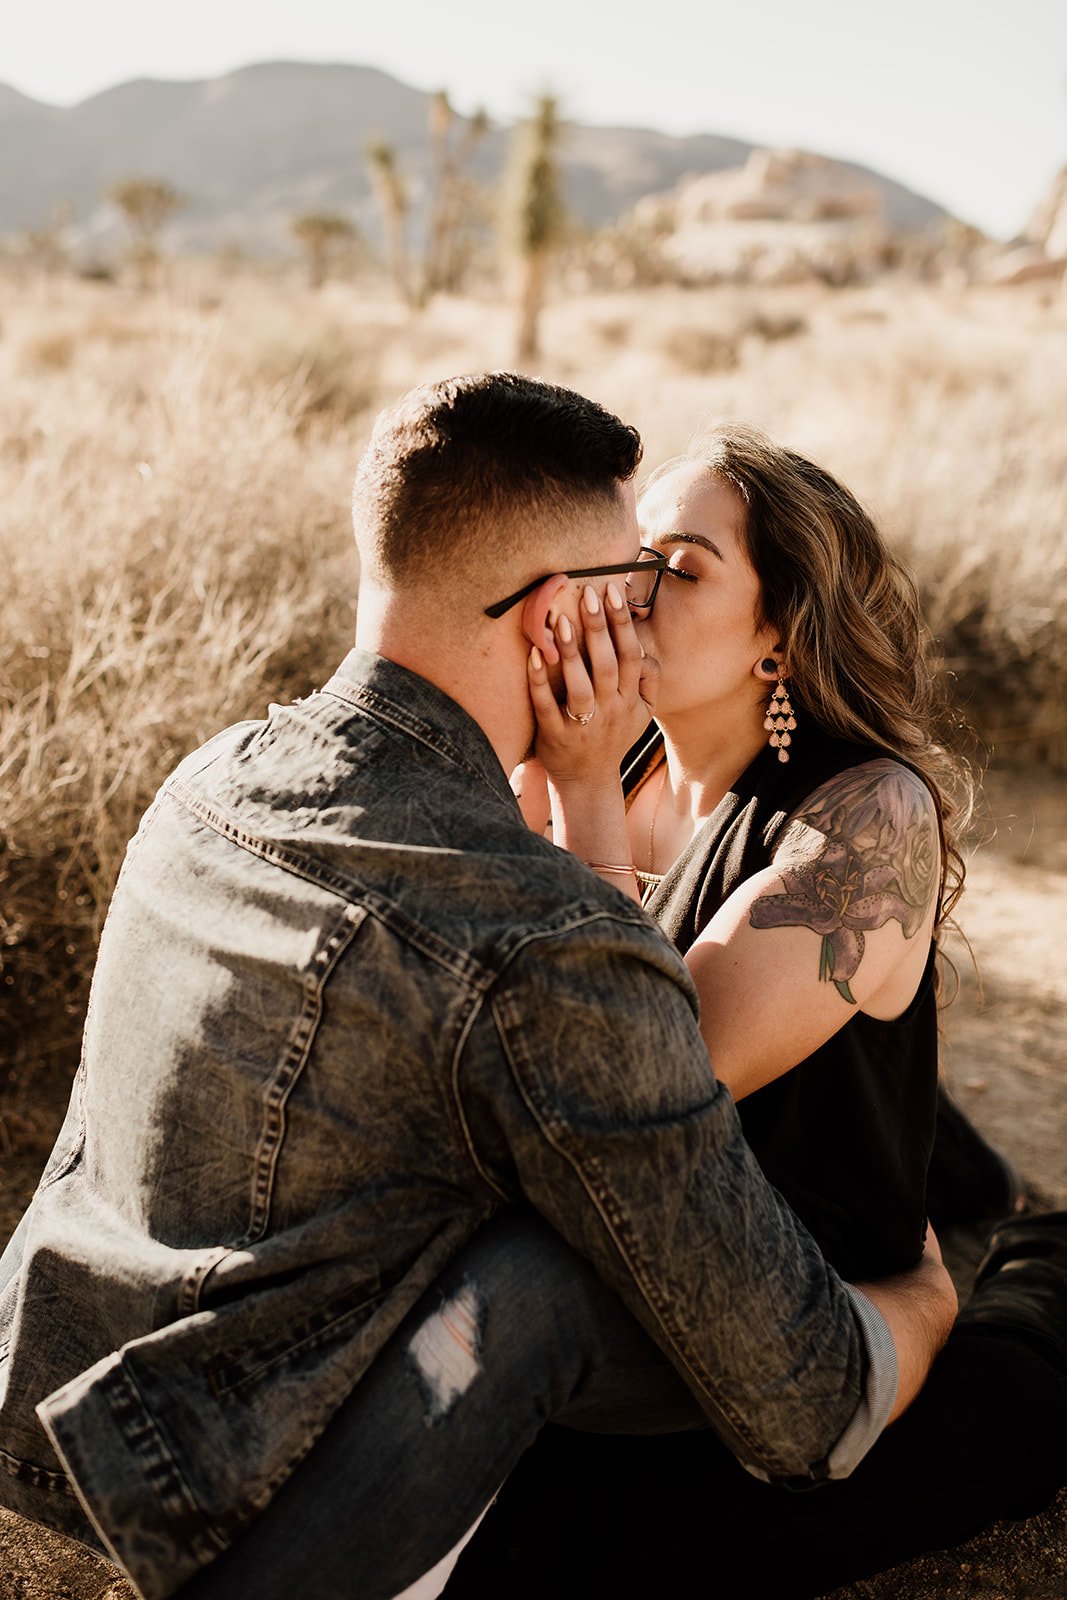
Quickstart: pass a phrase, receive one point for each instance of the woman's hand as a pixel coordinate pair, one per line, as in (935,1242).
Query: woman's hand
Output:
(582,742)
(608,703)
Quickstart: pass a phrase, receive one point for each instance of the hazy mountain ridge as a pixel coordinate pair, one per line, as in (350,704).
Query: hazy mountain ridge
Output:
(251,148)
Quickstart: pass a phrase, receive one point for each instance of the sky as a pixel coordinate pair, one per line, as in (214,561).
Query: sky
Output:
(963,100)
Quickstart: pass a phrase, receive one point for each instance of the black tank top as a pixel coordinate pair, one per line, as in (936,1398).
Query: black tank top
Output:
(846,1135)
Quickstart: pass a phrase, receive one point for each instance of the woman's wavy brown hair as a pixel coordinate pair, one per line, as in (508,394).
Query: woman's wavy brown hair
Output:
(852,635)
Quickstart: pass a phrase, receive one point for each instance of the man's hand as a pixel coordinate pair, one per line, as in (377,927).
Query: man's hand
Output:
(920,1307)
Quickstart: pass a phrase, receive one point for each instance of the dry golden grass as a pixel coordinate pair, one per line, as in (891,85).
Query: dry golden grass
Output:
(174,477)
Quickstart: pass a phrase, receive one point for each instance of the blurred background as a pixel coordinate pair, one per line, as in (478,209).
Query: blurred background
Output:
(230,232)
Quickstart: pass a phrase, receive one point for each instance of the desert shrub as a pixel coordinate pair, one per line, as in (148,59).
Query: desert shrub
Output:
(701,350)
(614,331)
(325,371)
(771,325)
(53,350)
(97,272)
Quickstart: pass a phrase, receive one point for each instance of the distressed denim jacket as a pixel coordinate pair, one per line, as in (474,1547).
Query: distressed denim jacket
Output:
(346,1007)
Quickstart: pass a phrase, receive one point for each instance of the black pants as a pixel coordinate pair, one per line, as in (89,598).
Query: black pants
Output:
(588,1516)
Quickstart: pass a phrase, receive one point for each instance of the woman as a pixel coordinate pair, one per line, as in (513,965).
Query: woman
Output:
(790,823)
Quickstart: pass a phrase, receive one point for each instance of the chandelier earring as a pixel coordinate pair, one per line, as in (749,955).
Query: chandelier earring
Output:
(780,721)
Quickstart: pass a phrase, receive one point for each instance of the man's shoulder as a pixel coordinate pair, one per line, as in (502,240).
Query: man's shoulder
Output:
(225,743)
(425,841)
(575,928)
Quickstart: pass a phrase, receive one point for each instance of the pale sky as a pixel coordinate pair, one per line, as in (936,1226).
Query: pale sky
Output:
(964,100)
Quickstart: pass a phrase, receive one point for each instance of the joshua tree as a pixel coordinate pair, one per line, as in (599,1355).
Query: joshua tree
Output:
(441,120)
(45,248)
(537,215)
(393,199)
(146,203)
(449,159)
(323,235)
(453,201)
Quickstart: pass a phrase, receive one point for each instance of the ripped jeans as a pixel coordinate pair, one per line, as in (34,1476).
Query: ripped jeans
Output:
(518,1331)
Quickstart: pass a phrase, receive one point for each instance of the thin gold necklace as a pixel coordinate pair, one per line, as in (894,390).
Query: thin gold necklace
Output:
(652,824)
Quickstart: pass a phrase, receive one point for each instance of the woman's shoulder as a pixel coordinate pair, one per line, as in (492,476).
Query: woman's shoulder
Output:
(867,836)
(875,784)
(826,773)
(829,773)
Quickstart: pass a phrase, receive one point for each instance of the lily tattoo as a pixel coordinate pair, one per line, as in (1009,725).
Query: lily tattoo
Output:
(879,862)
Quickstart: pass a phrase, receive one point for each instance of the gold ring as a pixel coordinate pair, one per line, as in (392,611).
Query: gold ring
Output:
(584,719)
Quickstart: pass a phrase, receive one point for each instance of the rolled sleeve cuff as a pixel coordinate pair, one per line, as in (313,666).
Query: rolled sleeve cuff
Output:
(880,1391)
(876,1402)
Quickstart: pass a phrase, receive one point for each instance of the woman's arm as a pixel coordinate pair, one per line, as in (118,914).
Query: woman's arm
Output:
(529,785)
(840,923)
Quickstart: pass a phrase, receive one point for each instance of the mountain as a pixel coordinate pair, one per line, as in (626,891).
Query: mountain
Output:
(252,148)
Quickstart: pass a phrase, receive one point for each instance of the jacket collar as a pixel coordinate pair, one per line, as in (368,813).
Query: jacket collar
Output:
(396,695)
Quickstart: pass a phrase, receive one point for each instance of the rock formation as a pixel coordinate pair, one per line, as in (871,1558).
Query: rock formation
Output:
(785,216)
(1043,257)
(1047,227)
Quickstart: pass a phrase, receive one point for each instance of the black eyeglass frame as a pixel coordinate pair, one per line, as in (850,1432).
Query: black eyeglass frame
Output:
(651,558)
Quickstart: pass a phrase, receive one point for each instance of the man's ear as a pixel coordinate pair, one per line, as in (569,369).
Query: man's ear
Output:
(538,616)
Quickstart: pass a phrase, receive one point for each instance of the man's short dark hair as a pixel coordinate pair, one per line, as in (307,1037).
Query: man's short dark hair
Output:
(465,464)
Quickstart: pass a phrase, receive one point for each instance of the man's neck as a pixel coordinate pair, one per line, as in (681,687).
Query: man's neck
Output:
(484,674)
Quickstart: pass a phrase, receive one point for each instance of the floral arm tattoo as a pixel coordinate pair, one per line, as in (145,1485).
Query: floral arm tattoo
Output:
(879,861)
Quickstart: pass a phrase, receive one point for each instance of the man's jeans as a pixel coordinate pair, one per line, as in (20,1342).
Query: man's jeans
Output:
(517,1331)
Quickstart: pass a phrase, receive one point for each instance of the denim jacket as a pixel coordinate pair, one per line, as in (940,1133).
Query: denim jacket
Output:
(347,1006)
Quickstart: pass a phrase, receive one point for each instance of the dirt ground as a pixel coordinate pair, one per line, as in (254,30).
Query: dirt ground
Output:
(1005,1040)
(1005,1058)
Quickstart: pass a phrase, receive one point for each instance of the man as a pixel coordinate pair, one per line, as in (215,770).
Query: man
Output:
(394,1134)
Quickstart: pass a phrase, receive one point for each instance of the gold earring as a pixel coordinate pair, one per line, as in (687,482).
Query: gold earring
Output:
(780,721)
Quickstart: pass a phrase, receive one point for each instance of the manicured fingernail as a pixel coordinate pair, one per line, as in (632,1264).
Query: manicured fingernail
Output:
(564,629)
(592,600)
(537,660)
(614,597)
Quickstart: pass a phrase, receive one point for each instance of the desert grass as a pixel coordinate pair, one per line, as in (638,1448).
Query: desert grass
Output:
(174,533)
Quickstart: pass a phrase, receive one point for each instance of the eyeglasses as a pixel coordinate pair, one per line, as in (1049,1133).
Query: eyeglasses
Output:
(645,572)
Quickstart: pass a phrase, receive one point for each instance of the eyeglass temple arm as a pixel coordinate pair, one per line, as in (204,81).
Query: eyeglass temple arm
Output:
(659,560)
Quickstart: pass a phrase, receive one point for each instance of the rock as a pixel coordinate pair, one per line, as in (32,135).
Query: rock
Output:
(784,217)
(1047,227)
(1025,264)
(779,186)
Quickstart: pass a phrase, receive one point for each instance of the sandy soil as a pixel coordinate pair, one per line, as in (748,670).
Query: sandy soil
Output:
(1005,1040)
(1005,1057)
